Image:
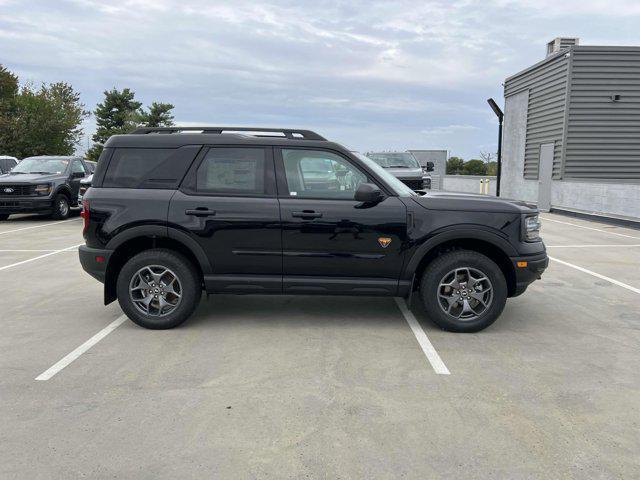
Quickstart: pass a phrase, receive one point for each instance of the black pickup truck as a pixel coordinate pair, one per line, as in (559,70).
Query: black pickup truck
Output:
(47,184)
(175,211)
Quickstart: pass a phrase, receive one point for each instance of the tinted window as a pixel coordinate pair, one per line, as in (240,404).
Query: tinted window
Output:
(148,167)
(233,171)
(320,174)
(6,164)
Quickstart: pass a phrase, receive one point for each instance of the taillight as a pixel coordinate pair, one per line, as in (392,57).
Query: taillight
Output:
(85,215)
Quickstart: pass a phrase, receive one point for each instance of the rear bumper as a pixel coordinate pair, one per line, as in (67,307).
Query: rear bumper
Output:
(10,206)
(90,261)
(529,273)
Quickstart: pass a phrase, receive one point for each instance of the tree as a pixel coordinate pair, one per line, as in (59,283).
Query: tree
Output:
(158,115)
(43,121)
(475,167)
(116,115)
(454,166)
(120,113)
(487,157)
(492,168)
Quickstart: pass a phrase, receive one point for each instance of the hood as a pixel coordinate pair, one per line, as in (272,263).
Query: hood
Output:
(29,178)
(409,173)
(470,202)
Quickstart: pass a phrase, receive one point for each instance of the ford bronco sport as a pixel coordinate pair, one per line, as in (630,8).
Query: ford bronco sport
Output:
(175,211)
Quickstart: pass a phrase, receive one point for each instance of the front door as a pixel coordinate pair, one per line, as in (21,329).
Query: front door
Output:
(330,242)
(228,204)
(78,172)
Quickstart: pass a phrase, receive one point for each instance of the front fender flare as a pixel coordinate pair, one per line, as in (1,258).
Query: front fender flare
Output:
(458,233)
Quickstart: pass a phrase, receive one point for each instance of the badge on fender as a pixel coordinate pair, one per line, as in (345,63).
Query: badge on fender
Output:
(384,241)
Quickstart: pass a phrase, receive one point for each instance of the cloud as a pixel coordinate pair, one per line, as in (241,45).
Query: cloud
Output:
(374,74)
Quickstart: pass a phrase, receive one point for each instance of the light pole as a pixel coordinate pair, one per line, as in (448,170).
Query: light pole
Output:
(496,109)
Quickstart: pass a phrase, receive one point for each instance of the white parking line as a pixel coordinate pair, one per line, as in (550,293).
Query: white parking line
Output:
(28,250)
(594,246)
(597,275)
(434,359)
(39,257)
(38,226)
(546,219)
(51,371)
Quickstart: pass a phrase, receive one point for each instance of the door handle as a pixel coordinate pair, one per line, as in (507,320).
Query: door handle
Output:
(306,214)
(200,212)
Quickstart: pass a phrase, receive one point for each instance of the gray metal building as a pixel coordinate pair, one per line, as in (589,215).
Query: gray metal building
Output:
(572,130)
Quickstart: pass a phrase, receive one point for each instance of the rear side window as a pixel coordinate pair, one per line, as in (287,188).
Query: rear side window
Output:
(148,167)
(239,171)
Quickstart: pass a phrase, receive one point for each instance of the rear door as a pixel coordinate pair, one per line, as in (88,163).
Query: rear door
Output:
(332,243)
(228,204)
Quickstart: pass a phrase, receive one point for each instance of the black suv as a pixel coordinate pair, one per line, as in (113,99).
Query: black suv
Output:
(174,211)
(44,184)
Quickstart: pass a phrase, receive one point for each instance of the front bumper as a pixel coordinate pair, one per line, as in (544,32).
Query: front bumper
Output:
(528,269)
(10,205)
(89,259)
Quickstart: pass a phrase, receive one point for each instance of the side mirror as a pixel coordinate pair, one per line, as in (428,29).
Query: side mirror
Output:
(77,175)
(368,193)
(430,167)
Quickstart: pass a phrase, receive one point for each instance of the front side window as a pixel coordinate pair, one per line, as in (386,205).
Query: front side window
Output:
(320,174)
(77,167)
(234,171)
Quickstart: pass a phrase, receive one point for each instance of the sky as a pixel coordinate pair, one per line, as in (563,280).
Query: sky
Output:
(372,75)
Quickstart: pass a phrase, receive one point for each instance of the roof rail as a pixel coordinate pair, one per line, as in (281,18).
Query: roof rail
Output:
(287,132)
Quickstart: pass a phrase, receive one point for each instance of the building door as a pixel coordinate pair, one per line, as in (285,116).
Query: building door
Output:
(544,176)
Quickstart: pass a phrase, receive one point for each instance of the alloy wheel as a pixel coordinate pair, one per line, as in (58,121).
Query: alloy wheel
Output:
(155,290)
(465,293)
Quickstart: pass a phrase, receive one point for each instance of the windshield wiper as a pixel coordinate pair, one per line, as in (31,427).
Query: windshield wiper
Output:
(42,173)
(397,166)
(17,173)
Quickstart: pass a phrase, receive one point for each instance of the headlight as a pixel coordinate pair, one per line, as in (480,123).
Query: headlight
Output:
(531,228)
(43,189)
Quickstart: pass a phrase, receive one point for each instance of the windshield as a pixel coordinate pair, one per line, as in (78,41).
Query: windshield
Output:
(394,160)
(396,185)
(41,165)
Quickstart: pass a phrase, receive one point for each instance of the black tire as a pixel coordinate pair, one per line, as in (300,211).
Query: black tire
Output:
(61,207)
(3,216)
(183,269)
(440,268)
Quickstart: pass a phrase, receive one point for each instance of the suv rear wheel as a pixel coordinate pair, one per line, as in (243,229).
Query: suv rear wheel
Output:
(158,289)
(61,207)
(463,291)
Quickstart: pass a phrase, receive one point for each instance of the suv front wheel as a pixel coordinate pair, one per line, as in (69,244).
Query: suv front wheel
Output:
(463,291)
(158,289)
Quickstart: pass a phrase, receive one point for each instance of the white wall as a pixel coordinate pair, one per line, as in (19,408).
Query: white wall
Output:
(467,183)
(605,198)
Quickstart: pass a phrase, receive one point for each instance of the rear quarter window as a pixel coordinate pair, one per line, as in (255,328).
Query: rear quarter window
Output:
(148,168)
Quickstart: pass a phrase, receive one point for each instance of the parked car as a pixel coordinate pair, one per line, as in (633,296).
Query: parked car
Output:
(172,213)
(91,166)
(85,183)
(404,166)
(7,163)
(47,184)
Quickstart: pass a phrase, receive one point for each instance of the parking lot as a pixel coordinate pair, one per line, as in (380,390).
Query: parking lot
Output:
(320,387)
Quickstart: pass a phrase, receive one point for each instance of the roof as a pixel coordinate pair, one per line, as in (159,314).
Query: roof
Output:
(174,137)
